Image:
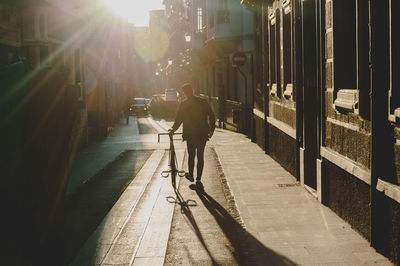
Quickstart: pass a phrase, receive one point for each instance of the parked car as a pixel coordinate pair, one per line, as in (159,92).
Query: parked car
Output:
(148,104)
(139,107)
(171,95)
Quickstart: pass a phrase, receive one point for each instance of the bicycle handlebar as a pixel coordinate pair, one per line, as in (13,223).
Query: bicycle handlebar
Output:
(166,133)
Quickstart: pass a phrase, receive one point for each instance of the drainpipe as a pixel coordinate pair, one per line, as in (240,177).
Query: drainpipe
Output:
(298,82)
(372,109)
(321,72)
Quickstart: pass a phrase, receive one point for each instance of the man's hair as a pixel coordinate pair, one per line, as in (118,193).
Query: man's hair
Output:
(187,88)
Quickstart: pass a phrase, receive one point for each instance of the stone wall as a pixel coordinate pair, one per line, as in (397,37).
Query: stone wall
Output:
(260,131)
(348,197)
(389,228)
(282,148)
(283,111)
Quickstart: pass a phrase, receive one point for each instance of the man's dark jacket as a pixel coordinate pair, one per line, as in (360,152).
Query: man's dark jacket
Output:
(197,117)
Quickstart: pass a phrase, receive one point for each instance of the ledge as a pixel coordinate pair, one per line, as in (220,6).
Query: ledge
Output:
(258,113)
(390,190)
(282,126)
(346,164)
(343,124)
(347,99)
(288,93)
(274,89)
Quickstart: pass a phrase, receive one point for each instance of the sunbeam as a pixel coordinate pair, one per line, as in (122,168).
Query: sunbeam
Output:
(136,11)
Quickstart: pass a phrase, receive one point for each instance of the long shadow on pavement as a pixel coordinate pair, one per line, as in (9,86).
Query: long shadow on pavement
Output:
(185,209)
(85,210)
(249,251)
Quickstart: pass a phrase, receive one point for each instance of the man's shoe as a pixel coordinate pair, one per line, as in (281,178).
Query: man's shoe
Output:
(199,185)
(189,177)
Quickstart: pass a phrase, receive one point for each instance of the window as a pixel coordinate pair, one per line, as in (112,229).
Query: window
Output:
(274,54)
(351,56)
(344,46)
(223,17)
(28,27)
(199,19)
(394,93)
(4,13)
(42,26)
(286,50)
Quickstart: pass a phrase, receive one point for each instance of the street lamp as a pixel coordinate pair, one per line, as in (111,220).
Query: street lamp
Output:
(188,38)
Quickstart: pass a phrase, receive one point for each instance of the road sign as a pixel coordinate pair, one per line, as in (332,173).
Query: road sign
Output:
(239,59)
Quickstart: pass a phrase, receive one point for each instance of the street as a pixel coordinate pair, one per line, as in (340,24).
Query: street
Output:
(120,211)
(292,106)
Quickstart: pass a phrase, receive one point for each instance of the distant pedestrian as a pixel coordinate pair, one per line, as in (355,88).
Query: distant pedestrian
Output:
(127,106)
(198,126)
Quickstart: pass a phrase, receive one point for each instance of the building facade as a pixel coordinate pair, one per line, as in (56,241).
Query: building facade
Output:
(55,58)
(218,29)
(178,59)
(326,106)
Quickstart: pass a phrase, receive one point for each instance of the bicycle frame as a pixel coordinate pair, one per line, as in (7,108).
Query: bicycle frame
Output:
(172,160)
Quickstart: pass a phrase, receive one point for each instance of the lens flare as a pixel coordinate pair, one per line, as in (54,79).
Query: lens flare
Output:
(152,46)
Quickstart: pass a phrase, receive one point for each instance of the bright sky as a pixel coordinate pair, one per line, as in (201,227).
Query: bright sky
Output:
(137,11)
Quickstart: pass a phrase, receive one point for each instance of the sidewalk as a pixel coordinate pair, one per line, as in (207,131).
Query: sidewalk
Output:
(287,223)
(92,159)
(281,214)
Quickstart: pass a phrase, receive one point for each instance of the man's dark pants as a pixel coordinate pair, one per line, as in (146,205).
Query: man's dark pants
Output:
(193,148)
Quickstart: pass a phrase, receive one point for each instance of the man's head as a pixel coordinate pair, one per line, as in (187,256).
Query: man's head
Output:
(188,90)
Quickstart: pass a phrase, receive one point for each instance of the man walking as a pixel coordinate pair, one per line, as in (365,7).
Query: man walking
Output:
(198,126)
(127,106)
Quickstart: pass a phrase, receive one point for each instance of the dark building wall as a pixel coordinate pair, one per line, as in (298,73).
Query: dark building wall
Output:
(389,228)
(389,211)
(393,232)
(349,134)
(260,131)
(396,155)
(345,131)
(347,196)
(397,164)
(282,148)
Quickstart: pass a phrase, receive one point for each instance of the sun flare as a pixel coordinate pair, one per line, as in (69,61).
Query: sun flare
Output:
(136,11)
(121,7)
